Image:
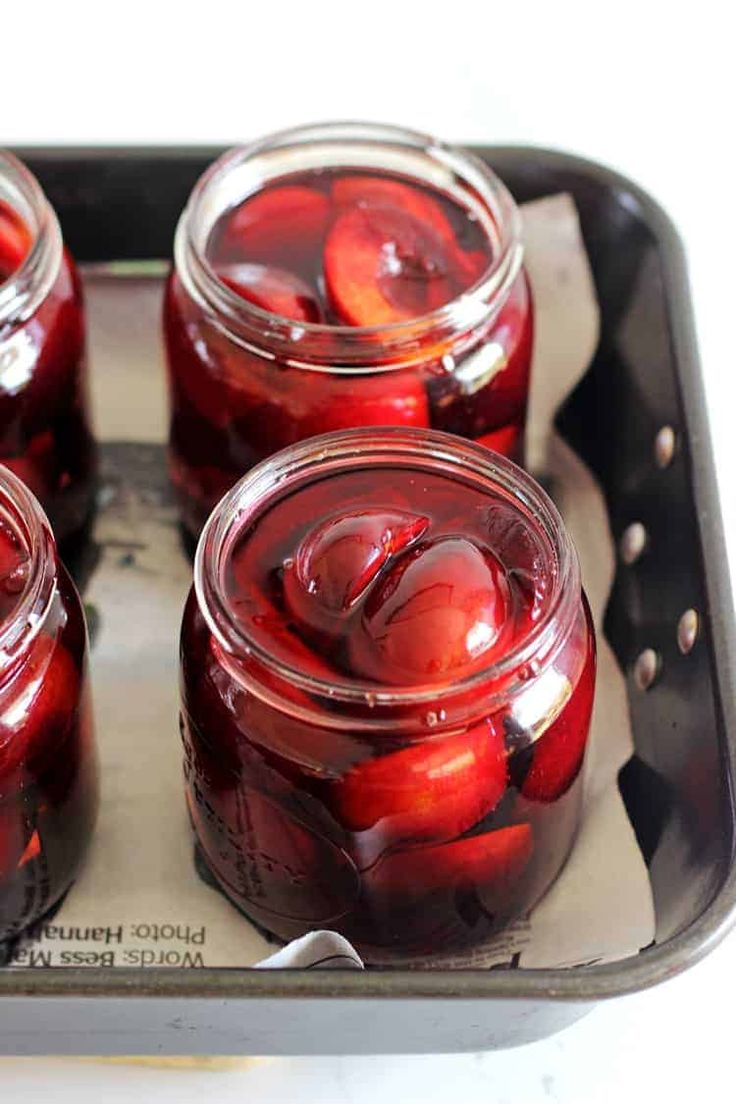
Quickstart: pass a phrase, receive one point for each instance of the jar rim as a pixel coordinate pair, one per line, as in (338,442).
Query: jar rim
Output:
(244,322)
(27,616)
(305,461)
(26,288)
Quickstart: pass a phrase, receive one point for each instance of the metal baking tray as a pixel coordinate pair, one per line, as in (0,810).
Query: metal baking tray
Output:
(122,205)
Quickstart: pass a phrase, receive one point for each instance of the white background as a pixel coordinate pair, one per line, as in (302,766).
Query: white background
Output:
(645,87)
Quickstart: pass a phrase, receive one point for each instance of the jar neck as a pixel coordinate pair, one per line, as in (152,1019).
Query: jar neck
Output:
(368,706)
(26,288)
(22,514)
(355,147)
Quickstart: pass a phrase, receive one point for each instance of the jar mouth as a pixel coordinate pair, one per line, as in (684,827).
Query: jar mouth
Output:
(26,288)
(23,513)
(242,171)
(357,448)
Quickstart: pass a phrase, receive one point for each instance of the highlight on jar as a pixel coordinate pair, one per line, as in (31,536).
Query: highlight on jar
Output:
(45,435)
(338,276)
(388,669)
(48,762)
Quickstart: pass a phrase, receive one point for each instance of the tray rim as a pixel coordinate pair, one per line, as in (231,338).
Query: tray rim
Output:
(650,966)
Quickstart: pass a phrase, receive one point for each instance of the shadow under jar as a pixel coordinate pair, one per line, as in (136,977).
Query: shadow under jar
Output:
(388,668)
(45,435)
(339,276)
(48,761)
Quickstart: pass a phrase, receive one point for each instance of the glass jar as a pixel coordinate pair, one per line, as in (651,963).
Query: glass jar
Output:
(45,435)
(48,763)
(247,381)
(388,667)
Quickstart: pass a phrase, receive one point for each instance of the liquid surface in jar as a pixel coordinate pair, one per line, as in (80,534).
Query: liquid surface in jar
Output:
(349,248)
(400,577)
(14,563)
(15,241)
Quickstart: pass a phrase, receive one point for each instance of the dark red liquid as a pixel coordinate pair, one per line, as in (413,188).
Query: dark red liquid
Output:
(15,241)
(409,845)
(347,249)
(48,771)
(350,249)
(44,427)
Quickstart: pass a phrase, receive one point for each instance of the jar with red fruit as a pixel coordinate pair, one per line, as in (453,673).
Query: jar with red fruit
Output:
(45,435)
(388,668)
(339,276)
(48,765)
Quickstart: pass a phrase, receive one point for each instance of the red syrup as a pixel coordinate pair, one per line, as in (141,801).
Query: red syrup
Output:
(388,675)
(45,435)
(344,268)
(48,765)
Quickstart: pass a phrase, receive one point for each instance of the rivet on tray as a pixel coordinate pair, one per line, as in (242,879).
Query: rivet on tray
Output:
(687,631)
(646,668)
(664,446)
(633,542)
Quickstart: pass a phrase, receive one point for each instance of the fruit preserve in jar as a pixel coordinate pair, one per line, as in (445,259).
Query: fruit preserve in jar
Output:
(388,667)
(341,276)
(48,764)
(45,434)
